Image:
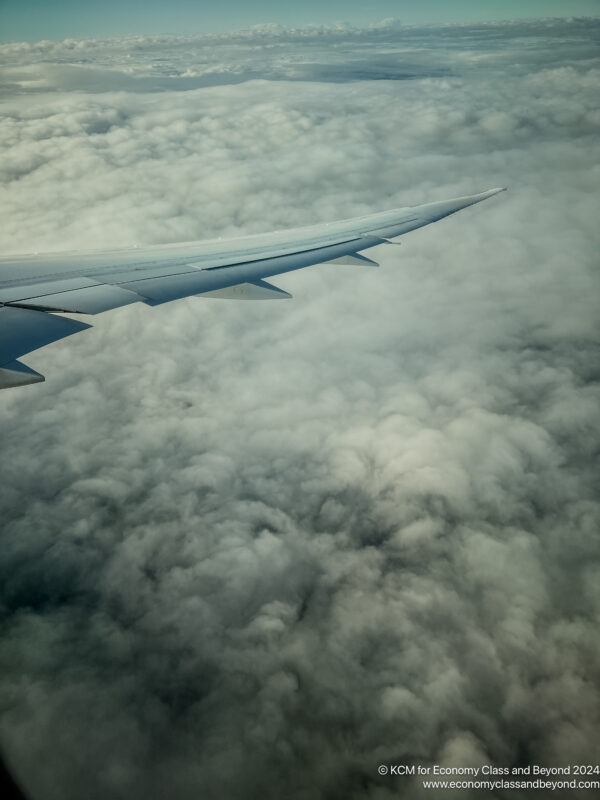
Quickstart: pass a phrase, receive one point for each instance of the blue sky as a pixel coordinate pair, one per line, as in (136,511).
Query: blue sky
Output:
(31,20)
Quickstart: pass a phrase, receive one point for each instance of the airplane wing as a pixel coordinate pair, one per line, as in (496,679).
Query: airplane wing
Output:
(37,290)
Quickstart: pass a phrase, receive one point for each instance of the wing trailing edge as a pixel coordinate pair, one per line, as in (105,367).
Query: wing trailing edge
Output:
(76,296)
(33,287)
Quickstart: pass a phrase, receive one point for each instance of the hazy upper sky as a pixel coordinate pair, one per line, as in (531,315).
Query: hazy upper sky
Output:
(32,20)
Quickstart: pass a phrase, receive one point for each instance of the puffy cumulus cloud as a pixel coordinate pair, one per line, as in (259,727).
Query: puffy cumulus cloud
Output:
(258,550)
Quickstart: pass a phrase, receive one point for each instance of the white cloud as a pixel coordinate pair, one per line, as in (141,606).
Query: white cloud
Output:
(259,550)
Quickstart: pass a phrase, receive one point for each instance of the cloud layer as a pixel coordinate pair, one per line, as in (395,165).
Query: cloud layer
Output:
(258,550)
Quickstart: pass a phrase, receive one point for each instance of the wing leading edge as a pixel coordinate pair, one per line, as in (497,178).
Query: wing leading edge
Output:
(36,290)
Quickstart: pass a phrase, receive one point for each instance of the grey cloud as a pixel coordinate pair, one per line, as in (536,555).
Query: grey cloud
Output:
(258,551)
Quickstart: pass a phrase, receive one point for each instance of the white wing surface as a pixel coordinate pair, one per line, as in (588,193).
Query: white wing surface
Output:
(36,291)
